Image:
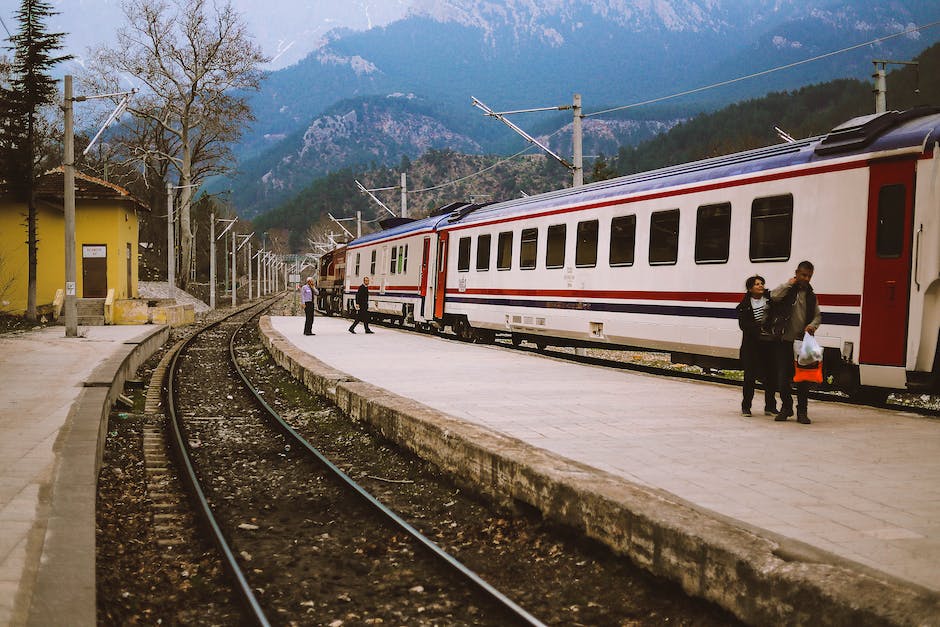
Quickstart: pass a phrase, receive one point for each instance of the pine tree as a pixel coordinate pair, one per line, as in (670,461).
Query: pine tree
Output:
(31,88)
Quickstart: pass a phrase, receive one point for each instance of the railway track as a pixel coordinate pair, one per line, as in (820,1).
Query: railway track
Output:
(277,507)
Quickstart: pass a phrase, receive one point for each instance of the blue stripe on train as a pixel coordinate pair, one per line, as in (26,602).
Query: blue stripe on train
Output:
(841,319)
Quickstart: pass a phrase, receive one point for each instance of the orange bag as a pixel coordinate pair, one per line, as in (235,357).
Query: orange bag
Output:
(810,374)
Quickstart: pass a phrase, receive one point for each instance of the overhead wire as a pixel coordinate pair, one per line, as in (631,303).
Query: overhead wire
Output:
(765,72)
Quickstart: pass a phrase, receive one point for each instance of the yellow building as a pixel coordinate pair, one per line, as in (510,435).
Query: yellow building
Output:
(106,230)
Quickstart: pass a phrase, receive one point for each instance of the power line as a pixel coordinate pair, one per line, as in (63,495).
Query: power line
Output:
(765,72)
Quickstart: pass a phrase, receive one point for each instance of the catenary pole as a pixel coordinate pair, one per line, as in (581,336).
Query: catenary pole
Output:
(68,199)
(212,260)
(577,157)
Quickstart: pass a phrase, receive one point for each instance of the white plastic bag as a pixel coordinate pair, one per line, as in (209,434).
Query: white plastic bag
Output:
(810,352)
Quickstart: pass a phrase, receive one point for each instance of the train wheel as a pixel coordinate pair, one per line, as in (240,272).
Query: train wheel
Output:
(463,330)
(516,340)
(540,346)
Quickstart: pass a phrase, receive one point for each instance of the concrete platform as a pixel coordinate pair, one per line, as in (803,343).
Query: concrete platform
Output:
(55,396)
(837,522)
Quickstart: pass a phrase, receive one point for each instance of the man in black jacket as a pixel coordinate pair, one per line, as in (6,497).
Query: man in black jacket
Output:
(362,306)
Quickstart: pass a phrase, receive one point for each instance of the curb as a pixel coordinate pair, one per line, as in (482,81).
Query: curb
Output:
(760,578)
(64,589)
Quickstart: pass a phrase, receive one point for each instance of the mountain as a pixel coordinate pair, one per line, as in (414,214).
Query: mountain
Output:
(808,111)
(515,54)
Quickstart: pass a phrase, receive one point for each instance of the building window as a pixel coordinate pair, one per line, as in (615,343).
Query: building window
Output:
(713,233)
(664,237)
(504,251)
(372,265)
(585,254)
(483,252)
(889,242)
(622,240)
(771,228)
(528,248)
(555,246)
(463,255)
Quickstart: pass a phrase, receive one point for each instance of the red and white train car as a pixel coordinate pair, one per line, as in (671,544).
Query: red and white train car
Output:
(658,260)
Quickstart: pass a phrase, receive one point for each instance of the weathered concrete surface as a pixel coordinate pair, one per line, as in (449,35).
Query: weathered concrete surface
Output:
(54,403)
(760,577)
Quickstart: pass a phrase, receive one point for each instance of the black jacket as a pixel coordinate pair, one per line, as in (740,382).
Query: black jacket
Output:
(362,297)
(746,321)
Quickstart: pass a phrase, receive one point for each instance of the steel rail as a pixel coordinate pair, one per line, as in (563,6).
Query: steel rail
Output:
(390,515)
(181,446)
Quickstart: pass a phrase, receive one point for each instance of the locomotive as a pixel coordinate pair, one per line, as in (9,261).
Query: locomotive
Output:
(657,260)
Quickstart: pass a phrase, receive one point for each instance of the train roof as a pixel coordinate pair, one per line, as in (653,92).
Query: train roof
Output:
(915,129)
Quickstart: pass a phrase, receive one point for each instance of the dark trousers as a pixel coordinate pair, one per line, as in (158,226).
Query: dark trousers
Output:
(759,363)
(308,321)
(362,315)
(783,357)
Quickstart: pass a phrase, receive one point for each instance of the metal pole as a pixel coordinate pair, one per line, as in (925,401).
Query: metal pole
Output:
(577,157)
(404,195)
(248,259)
(234,266)
(358,224)
(68,171)
(260,255)
(170,245)
(212,260)
(881,88)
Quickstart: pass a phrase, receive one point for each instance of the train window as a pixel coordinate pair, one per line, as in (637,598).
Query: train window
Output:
(890,236)
(585,254)
(372,265)
(394,266)
(483,252)
(622,240)
(504,251)
(771,228)
(357,263)
(528,247)
(713,233)
(403,259)
(664,237)
(555,246)
(463,255)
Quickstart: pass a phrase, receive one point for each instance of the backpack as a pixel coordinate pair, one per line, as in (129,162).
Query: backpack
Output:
(778,318)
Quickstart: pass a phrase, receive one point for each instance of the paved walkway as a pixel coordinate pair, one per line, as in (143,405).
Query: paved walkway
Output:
(42,373)
(859,482)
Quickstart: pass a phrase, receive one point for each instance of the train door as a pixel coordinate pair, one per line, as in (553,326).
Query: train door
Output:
(425,256)
(887,264)
(440,284)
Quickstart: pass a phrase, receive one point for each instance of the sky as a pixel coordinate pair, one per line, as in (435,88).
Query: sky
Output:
(286,30)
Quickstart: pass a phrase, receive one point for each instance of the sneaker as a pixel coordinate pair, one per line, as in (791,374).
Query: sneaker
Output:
(782,416)
(771,411)
(803,419)
(369,332)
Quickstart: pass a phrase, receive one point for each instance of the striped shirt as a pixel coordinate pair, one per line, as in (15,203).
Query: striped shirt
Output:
(759,305)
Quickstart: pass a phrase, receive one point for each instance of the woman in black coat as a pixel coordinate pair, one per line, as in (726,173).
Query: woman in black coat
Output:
(756,357)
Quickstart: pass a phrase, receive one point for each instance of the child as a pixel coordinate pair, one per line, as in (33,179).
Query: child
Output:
(756,354)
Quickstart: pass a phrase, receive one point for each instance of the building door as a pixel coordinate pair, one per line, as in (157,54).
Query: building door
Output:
(887,264)
(440,285)
(94,270)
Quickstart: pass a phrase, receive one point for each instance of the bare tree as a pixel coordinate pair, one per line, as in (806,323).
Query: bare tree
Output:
(192,59)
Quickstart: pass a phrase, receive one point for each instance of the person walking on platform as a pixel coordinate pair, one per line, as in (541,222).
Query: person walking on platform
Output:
(757,355)
(795,312)
(308,297)
(362,307)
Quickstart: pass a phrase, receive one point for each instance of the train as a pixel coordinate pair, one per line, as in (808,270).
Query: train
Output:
(658,260)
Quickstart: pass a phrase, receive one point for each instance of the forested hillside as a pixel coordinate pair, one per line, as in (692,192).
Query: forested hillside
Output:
(443,176)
